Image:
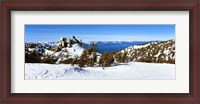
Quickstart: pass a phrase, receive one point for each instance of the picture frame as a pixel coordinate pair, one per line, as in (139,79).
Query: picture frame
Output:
(100,5)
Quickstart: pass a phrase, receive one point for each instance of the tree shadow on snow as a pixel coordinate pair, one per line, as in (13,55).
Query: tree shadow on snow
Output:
(118,64)
(78,69)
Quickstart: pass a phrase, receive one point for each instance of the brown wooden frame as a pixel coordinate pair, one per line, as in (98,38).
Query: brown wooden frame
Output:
(99,5)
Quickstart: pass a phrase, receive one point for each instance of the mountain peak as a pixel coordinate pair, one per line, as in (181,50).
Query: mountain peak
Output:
(68,42)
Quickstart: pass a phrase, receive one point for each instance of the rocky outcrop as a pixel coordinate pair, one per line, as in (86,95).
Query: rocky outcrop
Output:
(68,42)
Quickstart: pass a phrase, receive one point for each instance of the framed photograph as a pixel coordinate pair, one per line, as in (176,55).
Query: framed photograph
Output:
(97,51)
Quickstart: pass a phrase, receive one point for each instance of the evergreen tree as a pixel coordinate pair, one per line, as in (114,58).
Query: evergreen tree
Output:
(106,59)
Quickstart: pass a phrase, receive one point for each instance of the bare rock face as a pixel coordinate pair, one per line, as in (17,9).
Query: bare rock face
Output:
(68,42)
(75,40)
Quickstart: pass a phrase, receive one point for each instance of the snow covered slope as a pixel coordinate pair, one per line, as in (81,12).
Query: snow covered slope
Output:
(154,52)
(132,70)
(75,50)
(64,53)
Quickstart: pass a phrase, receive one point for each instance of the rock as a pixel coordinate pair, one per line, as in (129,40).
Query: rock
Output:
(67,42)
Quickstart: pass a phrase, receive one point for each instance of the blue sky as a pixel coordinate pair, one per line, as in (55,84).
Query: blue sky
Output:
(50,33)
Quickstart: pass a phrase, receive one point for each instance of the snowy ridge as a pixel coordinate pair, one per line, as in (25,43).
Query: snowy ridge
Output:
(43,44)
(64,53)
(155,52)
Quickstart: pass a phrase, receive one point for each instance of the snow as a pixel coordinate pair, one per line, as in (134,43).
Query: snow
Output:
(48,52)
(158,54)
(131,70)
(57,54)
(31,49)
(140,46)
(75,50)
(167,52)
(135,47)
(71,52)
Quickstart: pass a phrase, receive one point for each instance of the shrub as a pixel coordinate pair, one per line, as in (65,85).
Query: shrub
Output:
(84,55)
(90,62)
(122,57)
(81,62)
(93,48)
(106,59)
(173,61)
(26,49)
(94,57)
(67,61)
(125,57)
(49,59)
(118,57)
(83,59)
(32,57)
(88,57)
(74,61)
(155,51)
(33,46)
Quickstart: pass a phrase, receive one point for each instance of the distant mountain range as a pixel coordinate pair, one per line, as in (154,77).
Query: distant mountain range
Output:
(109,46)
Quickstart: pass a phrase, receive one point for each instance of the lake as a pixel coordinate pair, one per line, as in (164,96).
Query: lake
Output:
(113,46)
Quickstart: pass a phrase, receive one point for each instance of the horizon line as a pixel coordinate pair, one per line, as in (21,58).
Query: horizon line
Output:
(102,41)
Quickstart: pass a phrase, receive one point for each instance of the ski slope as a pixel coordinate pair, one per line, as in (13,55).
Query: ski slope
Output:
(131,70)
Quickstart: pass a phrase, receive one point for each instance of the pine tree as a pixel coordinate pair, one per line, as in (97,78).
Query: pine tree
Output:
(125,57)
(118,57)
(94,57)
(106,59)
